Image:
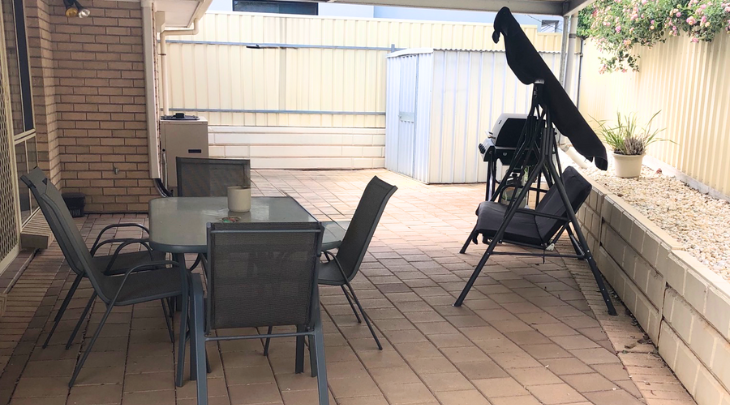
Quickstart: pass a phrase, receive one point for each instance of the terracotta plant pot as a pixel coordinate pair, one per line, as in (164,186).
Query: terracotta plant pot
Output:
(627,165)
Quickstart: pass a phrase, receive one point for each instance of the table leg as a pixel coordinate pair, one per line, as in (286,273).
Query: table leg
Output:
(180,258)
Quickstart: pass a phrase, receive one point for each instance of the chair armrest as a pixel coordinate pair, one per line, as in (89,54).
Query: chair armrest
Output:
(145,266)
(112,226)
(126,241)
(124,244)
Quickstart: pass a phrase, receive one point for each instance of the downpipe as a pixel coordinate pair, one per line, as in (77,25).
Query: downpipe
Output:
(163,61)
(148,45)
(573,154)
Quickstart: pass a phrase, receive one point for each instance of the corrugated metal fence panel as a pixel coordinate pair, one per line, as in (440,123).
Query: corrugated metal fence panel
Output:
(689,84)
(423,117)
(470,90)
(391,113)
(232,77)
(407,114)
(276,28)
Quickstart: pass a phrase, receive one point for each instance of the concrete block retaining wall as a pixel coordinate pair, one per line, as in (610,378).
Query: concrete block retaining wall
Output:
(681,304)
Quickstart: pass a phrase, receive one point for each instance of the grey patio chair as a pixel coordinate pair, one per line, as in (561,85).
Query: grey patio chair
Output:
(259,274)
(147,281)
(117,263)
(203,177)
(198,177)
(342,267)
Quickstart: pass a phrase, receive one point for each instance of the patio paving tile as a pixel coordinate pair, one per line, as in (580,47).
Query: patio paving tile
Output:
(612,398)
(534,376)
(411,393)
(567,366)
(96,395)
(500,387)
(556,394)
(447,382)
(255,394)
(149,397)
(589,382)
(519,400)
(46,401)
(471,397)
(525,335)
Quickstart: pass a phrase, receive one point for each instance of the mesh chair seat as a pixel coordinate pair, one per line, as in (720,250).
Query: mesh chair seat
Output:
(145,286)
(125,261)
(330,274)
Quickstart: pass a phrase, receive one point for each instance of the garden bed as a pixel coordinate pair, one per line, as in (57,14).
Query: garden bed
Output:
(699,222)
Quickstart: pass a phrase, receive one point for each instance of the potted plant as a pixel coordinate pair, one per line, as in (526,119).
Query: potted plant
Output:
(629,142)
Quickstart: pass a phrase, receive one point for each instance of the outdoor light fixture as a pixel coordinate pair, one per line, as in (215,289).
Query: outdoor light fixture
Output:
(75,9)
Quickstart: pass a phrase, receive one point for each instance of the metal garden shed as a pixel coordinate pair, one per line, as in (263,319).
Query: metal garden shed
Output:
(440,104)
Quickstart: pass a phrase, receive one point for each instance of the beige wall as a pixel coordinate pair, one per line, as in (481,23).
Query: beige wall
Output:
(690,85)
(235,77)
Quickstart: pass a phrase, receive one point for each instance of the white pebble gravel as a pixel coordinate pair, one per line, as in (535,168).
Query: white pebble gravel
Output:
(700,222)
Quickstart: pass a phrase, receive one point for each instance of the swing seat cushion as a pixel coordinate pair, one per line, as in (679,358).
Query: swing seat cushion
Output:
(531,229)
(522,228)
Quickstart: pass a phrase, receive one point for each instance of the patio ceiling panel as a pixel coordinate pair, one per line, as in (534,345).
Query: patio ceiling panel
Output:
(549,7)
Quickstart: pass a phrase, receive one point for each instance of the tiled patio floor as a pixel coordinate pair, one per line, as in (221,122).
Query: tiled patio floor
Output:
(526,334)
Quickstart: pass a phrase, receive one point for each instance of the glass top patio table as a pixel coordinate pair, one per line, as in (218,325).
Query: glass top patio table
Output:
(179,224)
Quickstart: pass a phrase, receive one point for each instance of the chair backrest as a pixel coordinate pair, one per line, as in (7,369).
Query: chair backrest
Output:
(262,274)
(64,229)
(198,177)
(362,227)
(577,188)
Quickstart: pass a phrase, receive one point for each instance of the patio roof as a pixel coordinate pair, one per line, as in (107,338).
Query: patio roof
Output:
(550,7)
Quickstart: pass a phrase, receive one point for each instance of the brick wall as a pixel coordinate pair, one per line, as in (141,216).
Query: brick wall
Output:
(38,23)
(99,94)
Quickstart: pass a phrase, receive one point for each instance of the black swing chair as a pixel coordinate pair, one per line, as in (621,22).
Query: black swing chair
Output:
(539,228)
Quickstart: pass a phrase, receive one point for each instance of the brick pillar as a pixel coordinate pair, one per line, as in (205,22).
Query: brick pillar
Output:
(100,104)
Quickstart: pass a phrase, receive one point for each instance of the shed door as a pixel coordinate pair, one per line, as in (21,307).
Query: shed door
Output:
(407,114)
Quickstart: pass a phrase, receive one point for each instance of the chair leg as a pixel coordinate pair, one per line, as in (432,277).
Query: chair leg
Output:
(299,357)
(312,356)
(62,310)
(268,340)
(349,301)
(91,345)
(468,240)
(81,320)
(171,305)
(167,321)
(182,340)
(575,243)
(197,349)
(318,347)
(364,315)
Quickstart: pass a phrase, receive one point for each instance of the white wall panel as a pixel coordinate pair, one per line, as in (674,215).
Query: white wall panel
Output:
(207,75)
